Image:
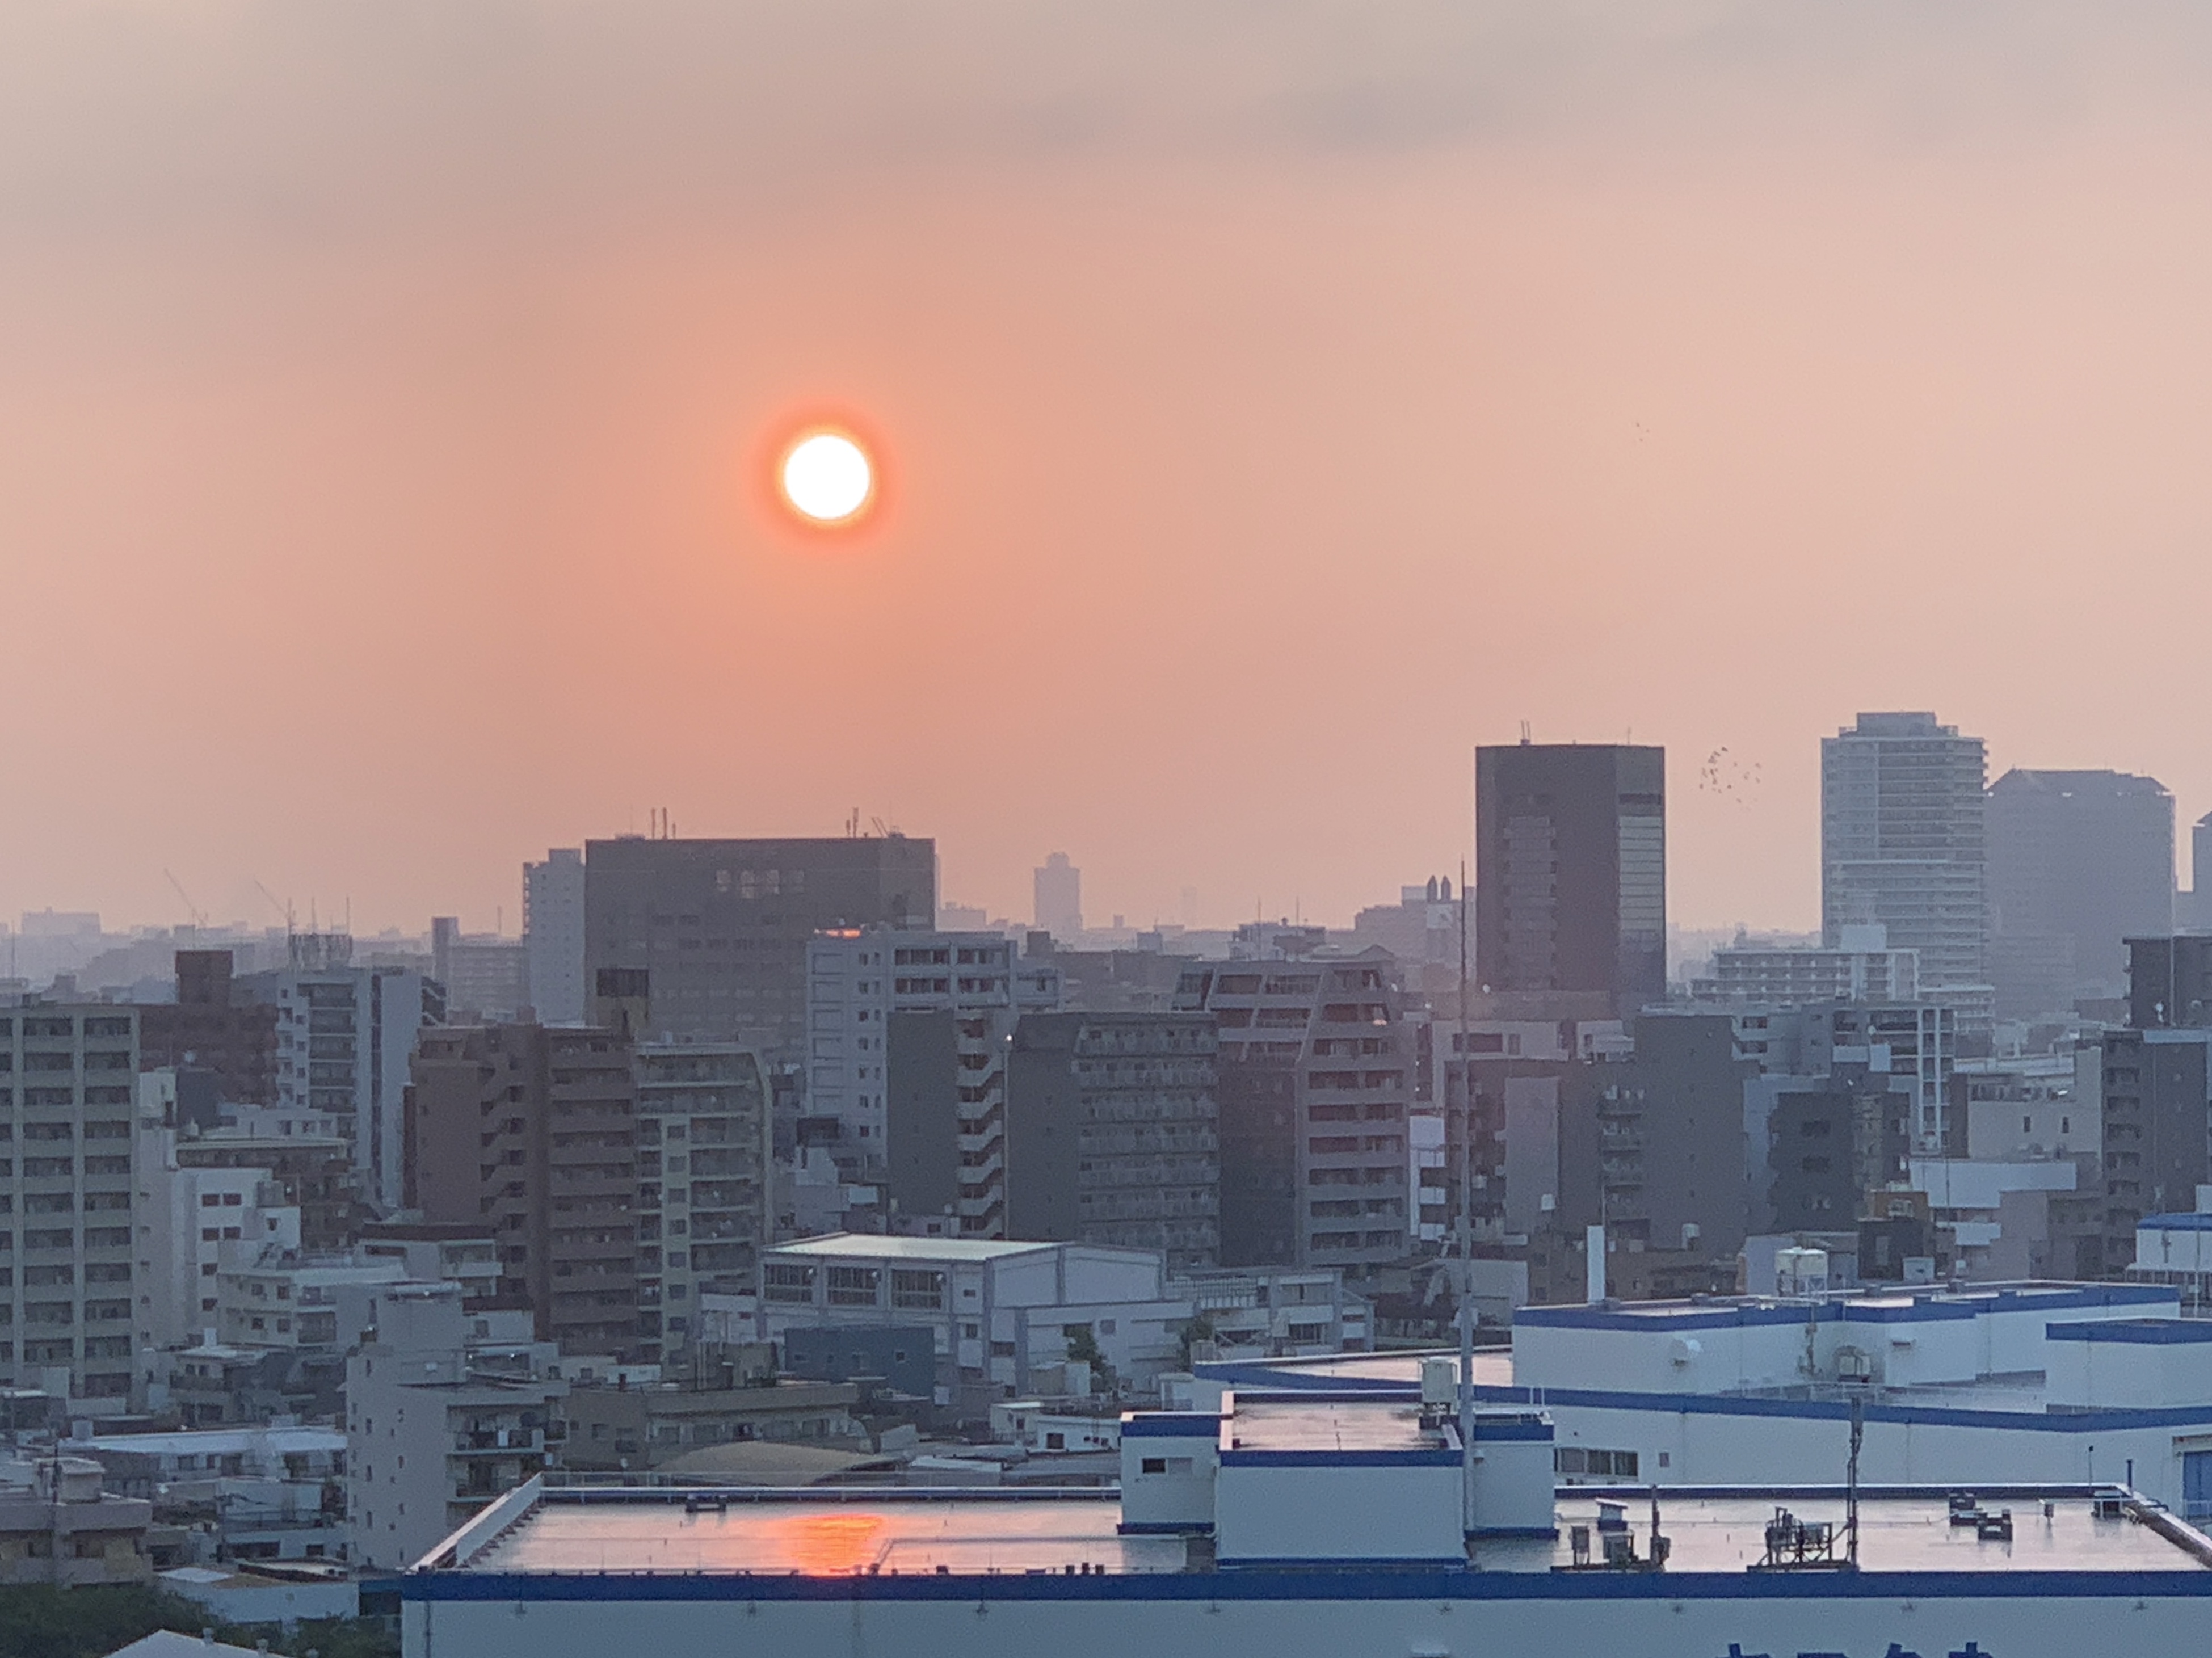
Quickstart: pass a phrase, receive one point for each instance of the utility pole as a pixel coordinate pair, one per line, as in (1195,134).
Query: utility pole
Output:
(1466,1234)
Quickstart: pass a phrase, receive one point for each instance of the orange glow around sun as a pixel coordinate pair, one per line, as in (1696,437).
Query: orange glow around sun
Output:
(827,475)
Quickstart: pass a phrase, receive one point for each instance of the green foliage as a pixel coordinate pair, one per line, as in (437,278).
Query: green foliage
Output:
(91,1623)
(1197,1330)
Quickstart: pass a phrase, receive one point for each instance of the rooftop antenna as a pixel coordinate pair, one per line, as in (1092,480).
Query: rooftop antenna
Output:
(284,909)
(1851,1481)
(1527,734)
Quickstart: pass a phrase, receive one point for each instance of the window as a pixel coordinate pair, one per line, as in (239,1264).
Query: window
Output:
(853,1287)
(786,1281)
(917,1291)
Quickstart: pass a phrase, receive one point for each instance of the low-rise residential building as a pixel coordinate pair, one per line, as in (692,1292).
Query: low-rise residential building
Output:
(433,1434)
(1277,1311)
(278,1297)
(610,1429)
(57,1528)
(995,1308)
(253,1493)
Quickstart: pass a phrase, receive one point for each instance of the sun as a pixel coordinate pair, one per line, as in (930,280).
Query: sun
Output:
(827,477)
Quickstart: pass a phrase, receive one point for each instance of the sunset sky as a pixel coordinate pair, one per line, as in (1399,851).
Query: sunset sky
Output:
(1279,400)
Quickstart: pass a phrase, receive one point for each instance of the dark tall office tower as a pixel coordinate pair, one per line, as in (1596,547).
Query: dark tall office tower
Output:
(1110,1134)
(1903,842)
(2079,861)
(719,928)
(1570,871)
(532,1130)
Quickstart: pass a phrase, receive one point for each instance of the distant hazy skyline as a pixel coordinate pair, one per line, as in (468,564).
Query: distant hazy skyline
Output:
(1280,404)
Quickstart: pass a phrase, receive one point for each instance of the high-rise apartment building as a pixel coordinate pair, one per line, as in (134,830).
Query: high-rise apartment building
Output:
(1057,886)
(532,1130)
(66,1204)
(1315,1078)
(553,936)
(343,1037)
(2079,862)
(707,939)
(1903,842)
(906,1072)
(706,1159)
(1111,1133)
(1570,871)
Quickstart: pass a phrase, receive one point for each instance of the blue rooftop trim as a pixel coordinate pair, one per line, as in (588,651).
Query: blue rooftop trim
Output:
(2175,1223)
(1290,1379)
(1312,1581)
(1492,1430)
(2092,1420)
(2138,1332)
(1872,1305)
(1163,1426)
(1406,1459)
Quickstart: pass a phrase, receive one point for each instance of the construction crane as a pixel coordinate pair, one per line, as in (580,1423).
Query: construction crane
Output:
(198,915)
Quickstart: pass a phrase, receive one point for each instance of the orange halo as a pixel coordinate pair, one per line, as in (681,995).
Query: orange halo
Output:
(775,486)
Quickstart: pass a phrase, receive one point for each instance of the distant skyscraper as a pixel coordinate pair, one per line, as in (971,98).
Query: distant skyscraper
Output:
(553,936)
(1570,871)
(2079,860)
(709,937)
(1058,888)
(2192,910)
(1903,842)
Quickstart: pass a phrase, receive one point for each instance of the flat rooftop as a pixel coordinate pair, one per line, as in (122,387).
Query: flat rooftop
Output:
(1325,1424)
(964,1533)
(868,1245)
(933,1532)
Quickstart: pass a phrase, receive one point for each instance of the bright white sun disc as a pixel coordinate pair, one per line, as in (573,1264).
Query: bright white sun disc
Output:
(827,477)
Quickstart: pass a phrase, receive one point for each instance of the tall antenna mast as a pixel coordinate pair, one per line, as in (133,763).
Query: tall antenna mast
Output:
(1466,1244)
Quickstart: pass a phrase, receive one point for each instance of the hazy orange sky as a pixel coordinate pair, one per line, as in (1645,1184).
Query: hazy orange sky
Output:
(1284,400)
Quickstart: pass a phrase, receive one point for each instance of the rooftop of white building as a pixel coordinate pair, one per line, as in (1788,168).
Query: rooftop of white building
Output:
(927,1533)
(870,1245)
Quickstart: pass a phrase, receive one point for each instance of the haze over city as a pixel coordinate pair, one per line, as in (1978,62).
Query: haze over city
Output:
(1273,413)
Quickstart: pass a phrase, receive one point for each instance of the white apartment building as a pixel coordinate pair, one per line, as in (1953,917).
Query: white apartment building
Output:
(436,1429)
(706,1151)
(69,1318)
(190,1220)
(553,936)
(344,1035)
(1861,968)
(275,1298)
(858,979)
